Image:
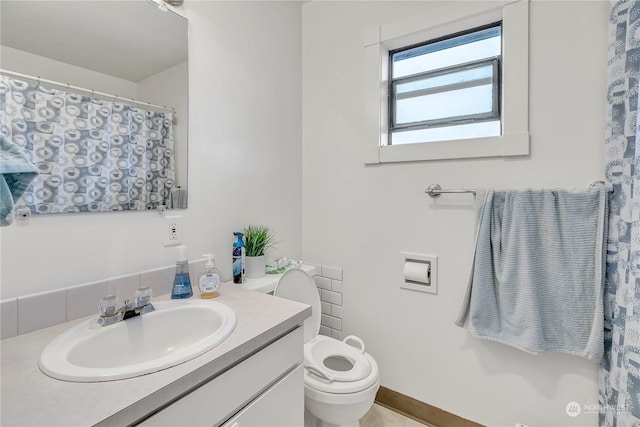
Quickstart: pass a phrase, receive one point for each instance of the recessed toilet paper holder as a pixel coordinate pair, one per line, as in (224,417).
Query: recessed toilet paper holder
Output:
(419,272)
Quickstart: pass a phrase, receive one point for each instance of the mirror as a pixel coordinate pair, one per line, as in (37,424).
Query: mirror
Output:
(100,55)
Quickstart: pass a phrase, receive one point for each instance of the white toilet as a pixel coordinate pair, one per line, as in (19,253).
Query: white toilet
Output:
(340,379)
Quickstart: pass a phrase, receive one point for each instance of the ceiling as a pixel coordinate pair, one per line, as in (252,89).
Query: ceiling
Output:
(131,40)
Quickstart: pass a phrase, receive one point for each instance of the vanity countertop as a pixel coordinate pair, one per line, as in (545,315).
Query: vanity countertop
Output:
(30,398)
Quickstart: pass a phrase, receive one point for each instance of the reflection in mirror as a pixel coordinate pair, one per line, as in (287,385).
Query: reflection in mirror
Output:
(95,93)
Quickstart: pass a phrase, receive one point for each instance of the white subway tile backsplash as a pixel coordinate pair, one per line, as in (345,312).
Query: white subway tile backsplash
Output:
(323,282)
(84,300)
(317,266)
(37,311)
(331,322)
(159,280)
(329,285)
(338,323)
(8,318)
(124,287)
(331,272)
(41,310)
(31,312)
(332,297)
(336,285)
(326,307)
(336,310)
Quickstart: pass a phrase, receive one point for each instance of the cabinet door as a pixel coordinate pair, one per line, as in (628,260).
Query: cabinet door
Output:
(222,397)
(282,405)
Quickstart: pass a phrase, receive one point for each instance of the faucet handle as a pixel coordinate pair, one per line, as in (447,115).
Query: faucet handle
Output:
(143,296)
(109,305)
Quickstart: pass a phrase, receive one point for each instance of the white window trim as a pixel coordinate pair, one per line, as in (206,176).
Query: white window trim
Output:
(449,19)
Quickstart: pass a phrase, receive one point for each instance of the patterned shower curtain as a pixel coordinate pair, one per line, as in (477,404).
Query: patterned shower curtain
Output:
(620,368)
(93,155)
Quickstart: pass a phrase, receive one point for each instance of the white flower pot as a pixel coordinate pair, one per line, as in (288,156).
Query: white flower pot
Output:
(255,266)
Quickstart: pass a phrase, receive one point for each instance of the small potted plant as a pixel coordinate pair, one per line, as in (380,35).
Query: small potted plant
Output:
(257,239)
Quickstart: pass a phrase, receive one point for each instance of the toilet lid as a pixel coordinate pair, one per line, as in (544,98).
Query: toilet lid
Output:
(297,285)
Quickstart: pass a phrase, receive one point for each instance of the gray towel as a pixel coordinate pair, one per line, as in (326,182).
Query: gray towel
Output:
(16,173)
(178,198)
(538,272)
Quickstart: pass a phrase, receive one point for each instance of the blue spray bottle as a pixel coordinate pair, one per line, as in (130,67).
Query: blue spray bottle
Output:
(238,258)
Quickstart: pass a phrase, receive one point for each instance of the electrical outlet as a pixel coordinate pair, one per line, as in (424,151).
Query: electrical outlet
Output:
(172,230)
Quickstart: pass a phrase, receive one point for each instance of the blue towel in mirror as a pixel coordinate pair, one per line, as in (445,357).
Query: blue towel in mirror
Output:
(16,173)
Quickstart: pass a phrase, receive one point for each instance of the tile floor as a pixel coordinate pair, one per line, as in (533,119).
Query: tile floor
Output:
(379,416)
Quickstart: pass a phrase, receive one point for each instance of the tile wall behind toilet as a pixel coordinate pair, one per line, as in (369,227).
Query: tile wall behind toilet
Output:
(329,283)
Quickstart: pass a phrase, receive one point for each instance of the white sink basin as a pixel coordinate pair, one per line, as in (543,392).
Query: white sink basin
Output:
(175,332)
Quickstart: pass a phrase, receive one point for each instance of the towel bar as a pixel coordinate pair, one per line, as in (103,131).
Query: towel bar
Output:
(434,190)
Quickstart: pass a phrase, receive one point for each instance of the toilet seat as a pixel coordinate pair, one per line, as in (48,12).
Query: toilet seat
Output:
(321,389)
(321,352)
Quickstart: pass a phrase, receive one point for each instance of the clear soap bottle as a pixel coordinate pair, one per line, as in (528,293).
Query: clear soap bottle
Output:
(182,282)
(210,278)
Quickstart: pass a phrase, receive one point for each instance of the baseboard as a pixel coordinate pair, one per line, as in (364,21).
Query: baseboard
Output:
(420,411)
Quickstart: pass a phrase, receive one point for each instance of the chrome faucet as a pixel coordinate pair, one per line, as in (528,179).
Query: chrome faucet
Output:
(112,312)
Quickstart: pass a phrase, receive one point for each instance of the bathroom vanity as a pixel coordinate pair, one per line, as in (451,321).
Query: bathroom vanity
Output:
(254,377)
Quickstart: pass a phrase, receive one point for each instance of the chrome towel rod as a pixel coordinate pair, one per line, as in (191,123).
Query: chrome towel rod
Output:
(434,190)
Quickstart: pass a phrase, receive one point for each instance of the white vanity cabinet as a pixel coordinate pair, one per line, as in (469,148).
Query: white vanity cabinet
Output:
(264,390)
(278,406)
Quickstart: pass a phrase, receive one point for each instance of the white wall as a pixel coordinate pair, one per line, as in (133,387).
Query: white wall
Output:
(244,161)
(360,218)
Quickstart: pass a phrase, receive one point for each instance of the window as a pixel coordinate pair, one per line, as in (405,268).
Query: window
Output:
(450,84)
(446,89)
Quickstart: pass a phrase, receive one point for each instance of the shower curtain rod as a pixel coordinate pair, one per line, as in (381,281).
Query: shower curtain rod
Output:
(434,190)
(91,92)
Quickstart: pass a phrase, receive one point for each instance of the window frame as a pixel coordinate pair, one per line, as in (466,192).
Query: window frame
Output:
(445,22)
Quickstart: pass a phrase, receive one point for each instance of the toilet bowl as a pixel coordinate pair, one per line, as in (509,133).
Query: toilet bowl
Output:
(340,378)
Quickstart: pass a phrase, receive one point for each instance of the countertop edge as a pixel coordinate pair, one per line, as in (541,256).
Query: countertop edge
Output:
(199,376)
